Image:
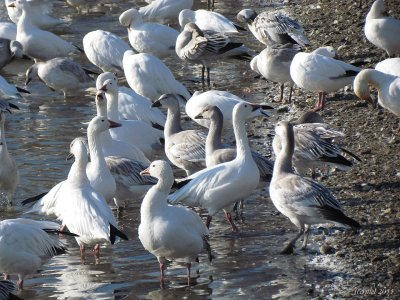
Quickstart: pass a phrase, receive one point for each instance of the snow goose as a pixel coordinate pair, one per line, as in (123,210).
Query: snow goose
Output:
(225,101)
(164,11)
(112,146)
(8,30)
(105,50)
(184,148)
(150,77)
(388,87)
(132,106)
(9,176)
(304,201)
(26,245)
(273,63)
(208,20)
(221,186)
(39,13)
(205,47)
(217,153)
(322,74)
(9,90)
(84,211)
(135,132)
(60,74)
(166,231)
(153,38)
(382,30)
(9,50)
(39,44)
(389,66)
(6,289)
(273,27)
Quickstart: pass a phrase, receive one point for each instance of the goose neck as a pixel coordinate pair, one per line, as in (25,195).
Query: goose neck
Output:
(242,142)
(283,162)
(77,174)
(3,144)
(214,136)
(173,122)
(96,152)
(112,106)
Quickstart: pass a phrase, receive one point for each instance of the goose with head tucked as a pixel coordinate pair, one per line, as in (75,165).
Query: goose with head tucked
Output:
(37,43)
(304,201)
(184,148)
(135,132)
(9,175)
(219,187)
(152,38)
(166,231)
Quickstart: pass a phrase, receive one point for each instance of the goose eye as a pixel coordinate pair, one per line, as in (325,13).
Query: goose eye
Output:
(245,105)
(102,120)
(154,165)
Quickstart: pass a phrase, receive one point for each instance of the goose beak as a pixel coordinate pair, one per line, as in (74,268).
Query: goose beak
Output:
(11,4)
(103,88)
(145,172)
(255,107)
(156,104)
(69,156)
(199,117)
(114,124)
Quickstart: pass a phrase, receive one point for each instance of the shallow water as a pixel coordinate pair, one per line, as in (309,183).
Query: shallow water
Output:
(246,264)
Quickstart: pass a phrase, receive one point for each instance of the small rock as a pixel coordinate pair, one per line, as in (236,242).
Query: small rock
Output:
(327,249)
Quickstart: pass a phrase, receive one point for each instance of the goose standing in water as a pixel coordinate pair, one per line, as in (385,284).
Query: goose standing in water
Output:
(221,186)
(184,148)
(170,232)
(9,176)
(304,201)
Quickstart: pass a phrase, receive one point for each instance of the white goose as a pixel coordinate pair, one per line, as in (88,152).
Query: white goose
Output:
(39,13)
(273,63)
(184,148)
(112,146)
(208,20)
(205,47)
(382,30)
(9,176)
(388,87)
(322,74)
(26,245)
(37,43)
(225,101)
(169,232)
(8,30)
(152,38)
(60,74)
(134,132)
(105,50)
(84,211)
(150,77)
(10,49)
(389,66)
(164,11)
(221,186)
(273,27)
(302,200)
(9,90)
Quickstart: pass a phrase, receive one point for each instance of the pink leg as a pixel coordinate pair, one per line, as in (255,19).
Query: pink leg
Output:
(62,228)
(20,284)
(82,250)
(320,103)
(229,217)
(162,267)
(6,276)
(188,266)
(96,250)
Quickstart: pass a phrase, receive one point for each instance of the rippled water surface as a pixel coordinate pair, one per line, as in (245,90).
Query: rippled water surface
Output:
(246,264)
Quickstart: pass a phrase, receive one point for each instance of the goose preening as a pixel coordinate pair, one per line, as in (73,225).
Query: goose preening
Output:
(388,87)
(219,187)
(166,231)
(10,49)
(217,153)
(148,76)
(206,47)
(322,74)
(304,201)
(389,66)
(273,63)
(26,245)
(273,27)
(208,20)
(152,38)
(184,148)
(112,146)
(225,101)
(382,30)
(134,132)
(164,11)
(84,211)
(105,50)
(60,74)
(9,175)
(37,43)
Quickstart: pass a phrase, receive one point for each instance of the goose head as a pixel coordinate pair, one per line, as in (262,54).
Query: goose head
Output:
(210,112)
(361,88)
(246,16)
(100,124)
(168,101)
(185,16)
(161,170)
(16,49)
(129,17)
(31,73)
(243,110)
(107,82)
(78,148)
(327,51)
(101,104)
